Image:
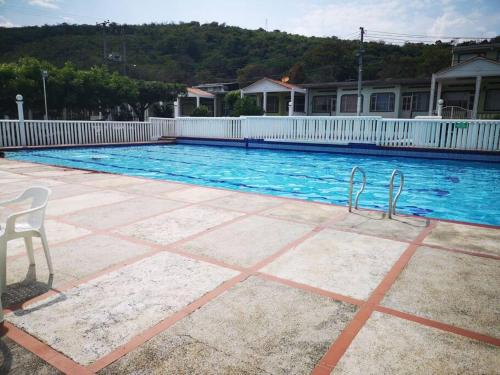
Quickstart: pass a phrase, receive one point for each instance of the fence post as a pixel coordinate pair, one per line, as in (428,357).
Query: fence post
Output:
(176,109)
(440,107)
(20,116)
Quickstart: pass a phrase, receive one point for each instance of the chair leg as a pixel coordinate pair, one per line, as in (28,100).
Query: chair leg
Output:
(28,242)
(43,236)
(3,265)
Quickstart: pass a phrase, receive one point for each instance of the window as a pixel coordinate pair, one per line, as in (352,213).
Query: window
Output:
(349,103)
(299,103)
(272,104)
(492,102)
(382,102)
(324,104)
(466,56)
(420,101)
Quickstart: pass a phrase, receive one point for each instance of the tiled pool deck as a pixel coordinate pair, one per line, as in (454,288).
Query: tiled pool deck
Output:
(156,277)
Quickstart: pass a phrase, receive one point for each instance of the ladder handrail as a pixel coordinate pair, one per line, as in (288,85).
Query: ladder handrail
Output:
(393,203)
(351,183)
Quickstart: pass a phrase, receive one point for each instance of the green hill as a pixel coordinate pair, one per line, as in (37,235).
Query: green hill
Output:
(192,53)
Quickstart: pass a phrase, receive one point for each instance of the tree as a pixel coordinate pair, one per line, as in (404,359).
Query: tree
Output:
(246,106)
(150,92)
(201,111)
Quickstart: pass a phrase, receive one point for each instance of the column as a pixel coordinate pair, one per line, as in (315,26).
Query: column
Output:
(264,102)
(476,97)
(241,94)
(20,117)
(439,89)
(431,99)
(291,105)
(215,105)
(197,102)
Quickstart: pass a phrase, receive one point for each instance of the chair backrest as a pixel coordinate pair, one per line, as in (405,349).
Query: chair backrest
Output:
(39,196)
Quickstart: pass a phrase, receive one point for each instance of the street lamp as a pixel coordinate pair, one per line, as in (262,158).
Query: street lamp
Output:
(45,75)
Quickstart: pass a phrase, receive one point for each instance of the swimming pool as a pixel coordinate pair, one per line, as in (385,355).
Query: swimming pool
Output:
(456,190)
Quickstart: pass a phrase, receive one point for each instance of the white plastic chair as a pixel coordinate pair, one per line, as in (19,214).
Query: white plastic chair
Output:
(24,224)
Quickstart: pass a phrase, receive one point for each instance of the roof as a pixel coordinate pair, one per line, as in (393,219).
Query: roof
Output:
(268,84)
(471,68)
(193,92)
(475,47)
(389,81)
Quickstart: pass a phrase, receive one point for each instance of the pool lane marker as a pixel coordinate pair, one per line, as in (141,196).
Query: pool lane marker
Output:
(344,340)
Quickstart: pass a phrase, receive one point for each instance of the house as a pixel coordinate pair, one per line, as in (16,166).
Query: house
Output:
(404,98)
(470,87)
(210,95)
(275,96)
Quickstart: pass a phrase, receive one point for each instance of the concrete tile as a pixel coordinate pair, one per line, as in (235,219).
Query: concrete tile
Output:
(465,237)
(69,190)
(83,177)
(92,254)
(91,320)
(177,225)
(452,288)
(347,263)
(71,204)
(6,164)
(246,202)
(196,194)
(247,241)
(59,172)
(152,188)
(400,228)
(56,232)
(307,212)
(110,181)
(388,345)
(15,360)
(121,213)
(256,327)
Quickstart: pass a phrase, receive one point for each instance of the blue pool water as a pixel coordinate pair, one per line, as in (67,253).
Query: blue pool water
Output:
(464,191)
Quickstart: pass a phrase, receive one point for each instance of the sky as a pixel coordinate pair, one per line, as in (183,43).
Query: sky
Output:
(394,21)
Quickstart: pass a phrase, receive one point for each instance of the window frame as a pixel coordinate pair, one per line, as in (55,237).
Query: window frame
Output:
(356,103)
(373,108)
(329,99)
(273,97)
(486,101)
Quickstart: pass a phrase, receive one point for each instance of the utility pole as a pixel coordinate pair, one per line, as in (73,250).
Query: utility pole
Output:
(124,48)
(360,71)
(104,24)
(45,75)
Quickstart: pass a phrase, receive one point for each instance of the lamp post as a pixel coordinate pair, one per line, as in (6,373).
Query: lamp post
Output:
(45,75)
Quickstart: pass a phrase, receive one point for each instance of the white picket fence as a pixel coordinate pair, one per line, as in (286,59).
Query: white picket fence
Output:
(478,135)
(46,133)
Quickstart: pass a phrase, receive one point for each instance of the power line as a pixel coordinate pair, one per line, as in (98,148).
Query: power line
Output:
(424,36)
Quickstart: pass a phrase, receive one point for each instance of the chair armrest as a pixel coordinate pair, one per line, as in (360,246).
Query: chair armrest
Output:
(10,224)
(10,201)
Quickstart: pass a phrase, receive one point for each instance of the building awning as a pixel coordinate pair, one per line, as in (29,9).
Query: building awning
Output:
(271,85)
(477,66)
(193,92)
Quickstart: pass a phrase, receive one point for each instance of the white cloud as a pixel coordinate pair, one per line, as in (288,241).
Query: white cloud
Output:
(426,17)
(4,22)
(52,4)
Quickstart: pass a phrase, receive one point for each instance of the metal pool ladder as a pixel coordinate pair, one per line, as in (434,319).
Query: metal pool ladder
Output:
(351,183)
(393,203)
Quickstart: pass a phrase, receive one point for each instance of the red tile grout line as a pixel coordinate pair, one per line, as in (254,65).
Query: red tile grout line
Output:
(323,366)
(168,322)
(45,352)
(311,289)
(439,325)
(467,252)
(344,340)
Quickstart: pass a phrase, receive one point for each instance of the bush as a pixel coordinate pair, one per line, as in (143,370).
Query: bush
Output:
(246,106)
(201,111)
